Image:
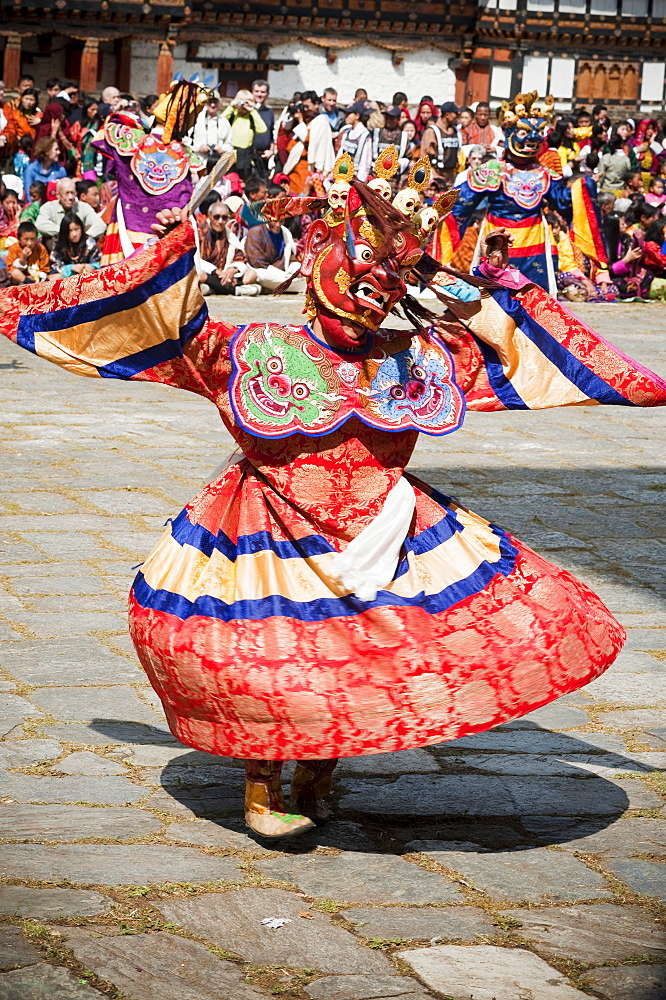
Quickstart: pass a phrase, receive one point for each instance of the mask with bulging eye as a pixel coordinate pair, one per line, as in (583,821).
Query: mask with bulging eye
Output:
(382,187)
(407,201)
(337,197)
(425,220)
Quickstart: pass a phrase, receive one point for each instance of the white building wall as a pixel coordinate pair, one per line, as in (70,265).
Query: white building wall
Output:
(425,71)
(143,76)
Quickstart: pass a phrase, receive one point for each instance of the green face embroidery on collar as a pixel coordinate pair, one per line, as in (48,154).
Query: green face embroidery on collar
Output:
(283,385)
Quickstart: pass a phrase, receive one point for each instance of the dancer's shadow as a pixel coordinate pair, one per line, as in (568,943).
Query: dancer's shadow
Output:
(500,789)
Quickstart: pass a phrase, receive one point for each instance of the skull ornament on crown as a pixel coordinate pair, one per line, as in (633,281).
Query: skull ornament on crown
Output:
(524,121)
(355,258)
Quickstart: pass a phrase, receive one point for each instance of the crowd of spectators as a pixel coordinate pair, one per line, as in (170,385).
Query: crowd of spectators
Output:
(55,195)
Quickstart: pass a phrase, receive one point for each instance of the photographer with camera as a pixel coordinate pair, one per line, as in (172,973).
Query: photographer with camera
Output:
(212,133)
(310,148)
(246,123)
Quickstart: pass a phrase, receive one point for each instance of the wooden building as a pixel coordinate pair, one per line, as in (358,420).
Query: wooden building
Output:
(583,51)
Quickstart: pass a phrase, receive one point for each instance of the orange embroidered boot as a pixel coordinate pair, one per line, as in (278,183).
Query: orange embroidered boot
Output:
(310,788)
(265,810)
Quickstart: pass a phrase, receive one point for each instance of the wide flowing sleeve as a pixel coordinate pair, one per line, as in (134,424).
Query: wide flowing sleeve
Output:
(523,350)
(141,319)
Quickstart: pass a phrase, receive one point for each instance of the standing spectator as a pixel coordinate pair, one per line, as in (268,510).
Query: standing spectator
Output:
(390,134)
(52,88)
(87,192)
(27,259)
(55,125)
(425,114)
(212,133)
(52,213)
(480,132)
(400,100)
(147,105)
(225,270)
(73,111)
(475,157)
(74,252)
(440,143)
(329,107)
(465,119)
(270,250)
(311,146)
(600,116)
(110,102)
(355,139)
(46,166)
(37,195)
(263,142)
(245,123)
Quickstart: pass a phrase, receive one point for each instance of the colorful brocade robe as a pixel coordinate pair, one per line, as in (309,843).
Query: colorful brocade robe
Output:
(252,643)
(514,198)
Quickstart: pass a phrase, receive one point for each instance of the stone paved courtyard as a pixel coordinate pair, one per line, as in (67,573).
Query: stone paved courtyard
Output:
(526,863)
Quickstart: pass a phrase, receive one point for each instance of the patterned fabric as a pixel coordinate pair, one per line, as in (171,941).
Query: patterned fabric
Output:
(285,381)
(252,645)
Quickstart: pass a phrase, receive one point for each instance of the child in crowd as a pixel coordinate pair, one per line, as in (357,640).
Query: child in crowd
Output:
(656,196)
(74,252)
(27,260)
(23,155)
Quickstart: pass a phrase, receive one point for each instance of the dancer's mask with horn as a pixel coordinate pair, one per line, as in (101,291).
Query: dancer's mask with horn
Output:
(356,257)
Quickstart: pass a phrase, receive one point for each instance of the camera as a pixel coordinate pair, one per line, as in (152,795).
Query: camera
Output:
(294,108)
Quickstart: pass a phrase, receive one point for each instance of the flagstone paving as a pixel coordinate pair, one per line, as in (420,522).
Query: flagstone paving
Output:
(529,858)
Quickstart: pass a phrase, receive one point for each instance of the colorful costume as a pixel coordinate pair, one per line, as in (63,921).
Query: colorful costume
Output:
(517,190)
(269,620)
(152,170)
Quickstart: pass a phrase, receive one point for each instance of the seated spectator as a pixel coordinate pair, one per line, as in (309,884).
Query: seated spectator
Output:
(656,195)
(245,122)
(45,167)
(212,133)
(614,167)
(634,189)
(83,133)
(574,275)
(27,260)
(74,252)
(87,192)
(22,119)
(22,156)
(9,217)
(270,250)
(225,270)
(37,195)
(51,215)
(55,125)
(255,194)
